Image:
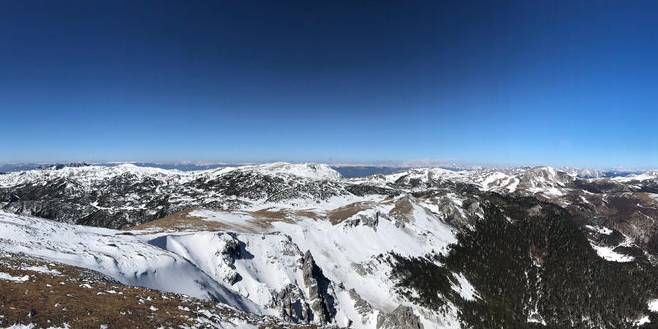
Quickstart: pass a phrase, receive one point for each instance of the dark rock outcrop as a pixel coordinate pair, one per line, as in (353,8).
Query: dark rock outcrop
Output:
(401,317)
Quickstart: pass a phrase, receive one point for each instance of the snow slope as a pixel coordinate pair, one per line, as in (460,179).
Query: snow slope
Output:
(125,258)
(267,272)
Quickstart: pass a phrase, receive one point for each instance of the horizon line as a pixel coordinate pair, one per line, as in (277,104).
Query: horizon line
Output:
(406,164)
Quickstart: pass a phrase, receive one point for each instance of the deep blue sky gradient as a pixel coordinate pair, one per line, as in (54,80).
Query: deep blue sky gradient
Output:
(492,82)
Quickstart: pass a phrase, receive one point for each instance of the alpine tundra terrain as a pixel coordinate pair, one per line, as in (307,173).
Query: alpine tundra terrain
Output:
(282,245)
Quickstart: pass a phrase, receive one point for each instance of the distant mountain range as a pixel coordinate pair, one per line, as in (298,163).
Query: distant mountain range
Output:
(347,170)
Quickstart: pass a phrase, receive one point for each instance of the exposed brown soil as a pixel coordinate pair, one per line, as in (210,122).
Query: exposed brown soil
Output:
(338,215)
(402,210)
(180,221)
(260,220)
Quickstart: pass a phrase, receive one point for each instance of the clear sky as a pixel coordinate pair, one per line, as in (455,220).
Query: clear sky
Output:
(491,82)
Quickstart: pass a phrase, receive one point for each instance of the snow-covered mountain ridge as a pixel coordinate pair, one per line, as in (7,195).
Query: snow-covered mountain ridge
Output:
(429,248)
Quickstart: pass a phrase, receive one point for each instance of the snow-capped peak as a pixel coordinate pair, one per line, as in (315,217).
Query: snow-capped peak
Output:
(305,170)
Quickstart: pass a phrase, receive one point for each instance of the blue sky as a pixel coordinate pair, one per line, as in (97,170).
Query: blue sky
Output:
(570,83)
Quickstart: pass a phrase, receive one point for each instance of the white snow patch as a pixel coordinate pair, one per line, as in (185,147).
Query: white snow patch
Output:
(535,317)
(236,220)
(8,277)
(642,320)
(653,305)
(609,254)
(599,229)
(465,288)
(42,269)
(548,191)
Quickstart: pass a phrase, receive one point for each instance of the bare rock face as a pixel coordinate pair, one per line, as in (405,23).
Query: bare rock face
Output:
(320,298)
(292,305)
(228,255)
(401,317)
(310,301)
(362,306)
(370,221)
